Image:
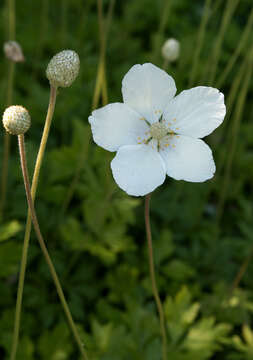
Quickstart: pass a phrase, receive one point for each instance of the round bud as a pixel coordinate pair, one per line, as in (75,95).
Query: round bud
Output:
(16,120)
(63,68)
(13,51)
(171,50)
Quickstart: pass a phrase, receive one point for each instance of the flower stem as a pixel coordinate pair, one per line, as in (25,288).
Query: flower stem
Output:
(236,122)
(100,88)
(44,248)
(240,46)
(213,60)
(51,106)
(10,84)
(201,36)
(152,276)
(160,33)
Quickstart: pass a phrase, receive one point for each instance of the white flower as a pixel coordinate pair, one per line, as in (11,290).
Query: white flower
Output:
(155,133)
(171,50)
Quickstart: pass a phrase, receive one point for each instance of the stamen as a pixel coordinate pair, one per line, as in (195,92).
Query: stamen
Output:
(158,130)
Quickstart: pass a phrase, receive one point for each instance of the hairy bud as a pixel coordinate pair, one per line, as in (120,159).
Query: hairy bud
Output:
(16,120)
(13,51)
(171,50)
(63,68)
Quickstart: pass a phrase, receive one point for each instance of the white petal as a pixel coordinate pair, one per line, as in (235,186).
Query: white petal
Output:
(115,125)
(148,89)
(196,112)
(138,169)
(187,159)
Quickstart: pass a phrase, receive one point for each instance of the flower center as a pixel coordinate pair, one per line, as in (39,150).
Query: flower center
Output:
(158,130)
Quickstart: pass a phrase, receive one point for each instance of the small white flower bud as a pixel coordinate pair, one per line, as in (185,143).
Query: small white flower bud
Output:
(63,68)
(13,51)
(171,50)
(16,120)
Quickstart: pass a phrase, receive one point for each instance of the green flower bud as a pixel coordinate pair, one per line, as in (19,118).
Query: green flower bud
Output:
(16,120)
(63,68)
(171,50)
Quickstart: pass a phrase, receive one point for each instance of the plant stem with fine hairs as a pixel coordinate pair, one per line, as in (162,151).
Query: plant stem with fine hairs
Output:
(44,248)
(152,276)
(51,106)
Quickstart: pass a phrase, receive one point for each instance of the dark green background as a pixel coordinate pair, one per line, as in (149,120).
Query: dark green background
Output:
(98,244)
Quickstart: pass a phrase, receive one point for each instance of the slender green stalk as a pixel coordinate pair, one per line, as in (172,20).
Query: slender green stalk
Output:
(214,59)
(234,137)
(153,279)
(44,248)
(200,39)
(51,106)
(226,127)
(246,262)
(7,140)
(241,44)
(10,85)
(160,33)
(64,13)
(242,271)
(12,19)
(43,28)
(100,87)
(225,130)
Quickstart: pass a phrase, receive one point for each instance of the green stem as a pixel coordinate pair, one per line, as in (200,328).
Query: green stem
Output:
(160,33)
(12,19)
(10,84)
(152,276)
(234,136)
(201,35)
(100,87)
(241,44)
(7,140)
(242,270)
(64,13)
(51,106)
(214,58)
(44,248)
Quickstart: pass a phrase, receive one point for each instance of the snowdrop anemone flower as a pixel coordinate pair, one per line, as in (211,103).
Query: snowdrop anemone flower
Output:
(155,133)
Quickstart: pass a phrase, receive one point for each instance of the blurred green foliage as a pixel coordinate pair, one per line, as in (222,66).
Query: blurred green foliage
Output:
(97,240)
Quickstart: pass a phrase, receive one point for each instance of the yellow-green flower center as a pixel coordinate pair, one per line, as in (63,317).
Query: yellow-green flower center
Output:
(158,130)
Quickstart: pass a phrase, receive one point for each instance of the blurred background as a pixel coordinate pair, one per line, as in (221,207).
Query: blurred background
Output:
(202,233)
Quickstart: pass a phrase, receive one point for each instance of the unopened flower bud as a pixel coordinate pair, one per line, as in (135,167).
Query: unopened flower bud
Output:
(13,51)
(63,68)
(171,50)
(16,120)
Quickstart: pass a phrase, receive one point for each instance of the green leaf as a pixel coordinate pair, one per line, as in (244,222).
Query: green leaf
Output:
(9,230)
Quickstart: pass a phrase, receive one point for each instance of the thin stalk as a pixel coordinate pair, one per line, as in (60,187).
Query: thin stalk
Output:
(44,248)
(12,19)
(242,271)
(100,87)
(234,137)
(152,276)
(7,140)
(214,59)
(161,29)
(43,28)
(64,13)
(225,131)
(10,85)
(241,44)
(234,90)
(51,106)
(246,262)
(201,35)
